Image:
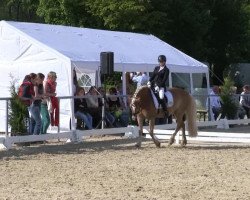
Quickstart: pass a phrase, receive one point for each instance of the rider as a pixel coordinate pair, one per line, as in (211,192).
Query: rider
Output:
(159,78)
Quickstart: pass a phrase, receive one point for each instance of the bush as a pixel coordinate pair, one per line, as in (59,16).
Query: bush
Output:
(229,105)
(18,113)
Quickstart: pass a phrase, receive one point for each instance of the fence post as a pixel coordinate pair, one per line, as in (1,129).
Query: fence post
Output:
(7,118)
(103,112)
(58,128)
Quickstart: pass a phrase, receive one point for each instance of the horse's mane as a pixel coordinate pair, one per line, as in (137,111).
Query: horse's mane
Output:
(138,90)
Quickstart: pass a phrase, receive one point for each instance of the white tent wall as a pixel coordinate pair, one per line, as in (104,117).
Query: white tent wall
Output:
(20,56)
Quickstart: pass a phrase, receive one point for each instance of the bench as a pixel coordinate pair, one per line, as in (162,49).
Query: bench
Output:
(202,113)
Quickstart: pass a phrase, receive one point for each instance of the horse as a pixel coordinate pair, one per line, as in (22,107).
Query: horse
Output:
(184,107)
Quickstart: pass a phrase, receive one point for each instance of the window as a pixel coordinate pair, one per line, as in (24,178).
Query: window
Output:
(181,80)
(84,81)
(200,90)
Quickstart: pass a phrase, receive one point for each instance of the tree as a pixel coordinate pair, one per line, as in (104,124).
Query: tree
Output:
(228,37)
(67,12)
(20,10)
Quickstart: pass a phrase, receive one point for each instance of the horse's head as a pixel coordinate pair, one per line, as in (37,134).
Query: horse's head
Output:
(136,102)
(135,106)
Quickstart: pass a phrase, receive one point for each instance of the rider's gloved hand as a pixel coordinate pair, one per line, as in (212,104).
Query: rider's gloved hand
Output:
(149,84)
(157,88)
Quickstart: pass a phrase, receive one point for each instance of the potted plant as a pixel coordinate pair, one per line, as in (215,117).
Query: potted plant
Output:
(229,103)
(18,113)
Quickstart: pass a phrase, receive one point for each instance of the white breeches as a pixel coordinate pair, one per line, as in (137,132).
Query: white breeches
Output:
(161,93)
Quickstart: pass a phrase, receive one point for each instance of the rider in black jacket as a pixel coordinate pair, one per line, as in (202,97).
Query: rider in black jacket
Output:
(159,79)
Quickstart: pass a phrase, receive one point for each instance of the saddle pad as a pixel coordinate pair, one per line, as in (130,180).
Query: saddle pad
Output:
(169,97)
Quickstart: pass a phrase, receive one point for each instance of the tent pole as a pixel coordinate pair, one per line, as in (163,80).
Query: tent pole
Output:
(210,113)
(170,80)
(191,83)
(72,121)
(124,87)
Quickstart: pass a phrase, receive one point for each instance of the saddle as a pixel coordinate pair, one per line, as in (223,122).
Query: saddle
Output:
(168,97)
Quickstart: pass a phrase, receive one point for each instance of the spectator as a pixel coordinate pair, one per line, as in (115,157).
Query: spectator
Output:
(235,99)
(50,90)
(26,94)
(95,105)
(245,99)
(44,111)
(109,118)
(116,109)
(215,102)
(35,108)
(81,109)
(140,78)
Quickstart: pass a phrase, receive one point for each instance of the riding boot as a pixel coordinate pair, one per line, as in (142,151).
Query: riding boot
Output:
(164,105)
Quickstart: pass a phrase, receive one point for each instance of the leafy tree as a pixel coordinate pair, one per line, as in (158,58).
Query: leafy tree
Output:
(67,12)
(227,40)
(19,10)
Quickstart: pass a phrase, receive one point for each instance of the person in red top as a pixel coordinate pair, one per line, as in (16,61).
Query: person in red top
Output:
(27,95)
(50,90)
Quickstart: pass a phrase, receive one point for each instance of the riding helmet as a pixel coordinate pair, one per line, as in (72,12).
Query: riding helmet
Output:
(162,58)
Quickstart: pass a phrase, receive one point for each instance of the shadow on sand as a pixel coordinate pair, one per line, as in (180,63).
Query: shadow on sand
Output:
(117,144)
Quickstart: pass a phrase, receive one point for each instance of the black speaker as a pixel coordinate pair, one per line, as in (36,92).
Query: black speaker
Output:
(107,62)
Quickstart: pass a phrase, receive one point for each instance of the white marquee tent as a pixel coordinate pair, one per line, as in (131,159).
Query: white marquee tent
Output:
(32,47)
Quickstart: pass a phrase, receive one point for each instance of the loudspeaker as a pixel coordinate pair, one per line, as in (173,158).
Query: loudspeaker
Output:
(107,62)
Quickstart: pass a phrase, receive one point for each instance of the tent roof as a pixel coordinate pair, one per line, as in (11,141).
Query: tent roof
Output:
(132,51)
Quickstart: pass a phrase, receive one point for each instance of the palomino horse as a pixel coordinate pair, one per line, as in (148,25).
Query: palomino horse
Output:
(142,105)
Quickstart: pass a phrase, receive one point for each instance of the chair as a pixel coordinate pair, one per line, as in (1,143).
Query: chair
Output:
(202,113)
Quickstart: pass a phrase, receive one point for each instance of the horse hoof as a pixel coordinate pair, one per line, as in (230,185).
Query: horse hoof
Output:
(171,141)
(138,145)
(158,145)
(183,143)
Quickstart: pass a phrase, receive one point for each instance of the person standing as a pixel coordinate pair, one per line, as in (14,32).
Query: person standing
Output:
(50,90)
(26,93)
(44,112)
(159,79)
(245,99)
(35,108)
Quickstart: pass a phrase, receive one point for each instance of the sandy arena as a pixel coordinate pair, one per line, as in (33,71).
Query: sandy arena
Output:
(112,168)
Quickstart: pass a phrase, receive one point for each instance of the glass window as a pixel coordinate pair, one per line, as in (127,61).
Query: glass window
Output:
(200,90)
(84,80)
(181,80)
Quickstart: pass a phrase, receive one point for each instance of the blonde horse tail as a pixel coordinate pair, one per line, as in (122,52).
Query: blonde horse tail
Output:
(191,118)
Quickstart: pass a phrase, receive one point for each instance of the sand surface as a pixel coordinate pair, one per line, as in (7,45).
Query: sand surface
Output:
(112,168)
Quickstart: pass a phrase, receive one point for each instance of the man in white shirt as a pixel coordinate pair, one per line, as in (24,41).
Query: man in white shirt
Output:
(140,78)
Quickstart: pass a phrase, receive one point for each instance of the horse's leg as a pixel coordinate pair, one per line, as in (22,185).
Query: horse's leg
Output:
(184,139)
(151,132)
(140,119)
(179,125)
